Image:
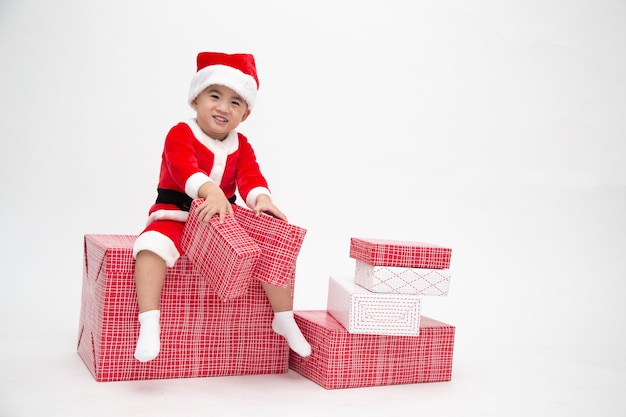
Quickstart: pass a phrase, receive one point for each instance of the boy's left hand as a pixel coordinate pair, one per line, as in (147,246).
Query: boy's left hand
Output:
(264,205)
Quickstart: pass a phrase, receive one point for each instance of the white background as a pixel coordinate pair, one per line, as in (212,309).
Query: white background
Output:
(496,128)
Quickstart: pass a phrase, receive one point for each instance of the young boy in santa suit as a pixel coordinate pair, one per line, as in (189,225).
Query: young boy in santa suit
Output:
(206,158)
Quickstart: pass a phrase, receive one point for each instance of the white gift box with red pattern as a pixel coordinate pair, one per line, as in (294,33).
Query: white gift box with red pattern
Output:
(201,335)
(383,252)
(364,312)
(222,253)
(344,360)
(400,280)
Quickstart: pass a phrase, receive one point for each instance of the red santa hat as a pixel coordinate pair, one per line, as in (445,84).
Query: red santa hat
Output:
(236,71)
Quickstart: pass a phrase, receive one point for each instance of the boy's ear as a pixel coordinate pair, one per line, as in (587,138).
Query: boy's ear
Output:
(194,103)
(245,115)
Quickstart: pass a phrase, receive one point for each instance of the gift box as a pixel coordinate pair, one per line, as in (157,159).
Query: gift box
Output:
(280,244)
(400,280)
(364,312)
(222,253)
(344,360)
(382,252)
(201,335)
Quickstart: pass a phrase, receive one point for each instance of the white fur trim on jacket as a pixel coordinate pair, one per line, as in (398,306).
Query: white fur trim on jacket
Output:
(193,184)
(176,215)
(254,193)
(158,243)
(220,149)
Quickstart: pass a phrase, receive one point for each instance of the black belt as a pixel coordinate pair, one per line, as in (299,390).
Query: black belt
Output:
(180,200)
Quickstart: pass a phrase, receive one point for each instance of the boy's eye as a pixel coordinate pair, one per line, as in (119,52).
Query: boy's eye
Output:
(214,96)
(235,103)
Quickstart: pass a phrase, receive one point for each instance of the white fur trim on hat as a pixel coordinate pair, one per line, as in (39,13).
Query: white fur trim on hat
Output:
(243,84)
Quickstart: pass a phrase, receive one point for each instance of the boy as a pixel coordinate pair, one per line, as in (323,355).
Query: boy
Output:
(206,158)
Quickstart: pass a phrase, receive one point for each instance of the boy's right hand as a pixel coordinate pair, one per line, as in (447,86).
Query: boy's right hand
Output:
(215,202)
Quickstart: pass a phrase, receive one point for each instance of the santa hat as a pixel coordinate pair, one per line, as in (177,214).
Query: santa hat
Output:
(236,71)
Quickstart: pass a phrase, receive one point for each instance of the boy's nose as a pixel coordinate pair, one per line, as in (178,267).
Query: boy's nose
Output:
(222,105)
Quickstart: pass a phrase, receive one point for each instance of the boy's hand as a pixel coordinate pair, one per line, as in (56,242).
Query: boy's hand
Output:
(264,205)
(215,202)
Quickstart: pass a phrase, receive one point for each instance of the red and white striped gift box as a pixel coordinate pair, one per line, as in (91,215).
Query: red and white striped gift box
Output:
(201,335)
(400,280)
(280,244)
(382,252)
(343,360)
(222,253)
(364,312)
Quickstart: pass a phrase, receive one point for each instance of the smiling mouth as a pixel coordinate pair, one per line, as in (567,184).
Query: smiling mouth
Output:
(220,119)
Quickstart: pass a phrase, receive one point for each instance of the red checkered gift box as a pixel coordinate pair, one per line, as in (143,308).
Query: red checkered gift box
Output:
(343,360)
(280,243)
(382,252)
(366,312)
(400,280)
(201,335)
(222,253)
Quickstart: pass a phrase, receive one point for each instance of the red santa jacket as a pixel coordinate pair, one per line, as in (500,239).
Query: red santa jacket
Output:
(191,158)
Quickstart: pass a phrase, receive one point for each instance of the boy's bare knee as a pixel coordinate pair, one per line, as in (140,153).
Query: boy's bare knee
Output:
(150,263)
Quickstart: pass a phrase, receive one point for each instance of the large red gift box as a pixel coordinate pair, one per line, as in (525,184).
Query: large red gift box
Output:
(382,252)
(343,360)
(201,335)
(222,253)
(280,243)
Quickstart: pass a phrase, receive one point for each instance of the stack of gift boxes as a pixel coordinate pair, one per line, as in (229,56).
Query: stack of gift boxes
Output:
(372,332)
(216,319)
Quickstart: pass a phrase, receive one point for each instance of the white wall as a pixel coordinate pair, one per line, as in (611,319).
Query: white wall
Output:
(493,127)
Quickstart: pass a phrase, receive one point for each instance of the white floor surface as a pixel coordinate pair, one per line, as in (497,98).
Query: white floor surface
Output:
(536,295)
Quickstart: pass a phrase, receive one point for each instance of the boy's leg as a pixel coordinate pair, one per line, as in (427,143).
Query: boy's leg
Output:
(154,252)
(280,298)
(150,270)
(284,323)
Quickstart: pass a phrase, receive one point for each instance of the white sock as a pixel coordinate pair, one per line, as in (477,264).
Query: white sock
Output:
(149,341)
(285,325)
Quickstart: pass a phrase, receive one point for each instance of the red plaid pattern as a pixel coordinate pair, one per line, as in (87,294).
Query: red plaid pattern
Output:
(364,312)
(381,252)
(398,280)
(280,243)
(222,253)
(343,360)
(201,335)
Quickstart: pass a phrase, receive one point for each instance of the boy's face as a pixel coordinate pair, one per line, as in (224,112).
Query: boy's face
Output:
(219,110)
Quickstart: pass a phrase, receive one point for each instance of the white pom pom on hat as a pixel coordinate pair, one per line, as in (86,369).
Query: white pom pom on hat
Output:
(235,71)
